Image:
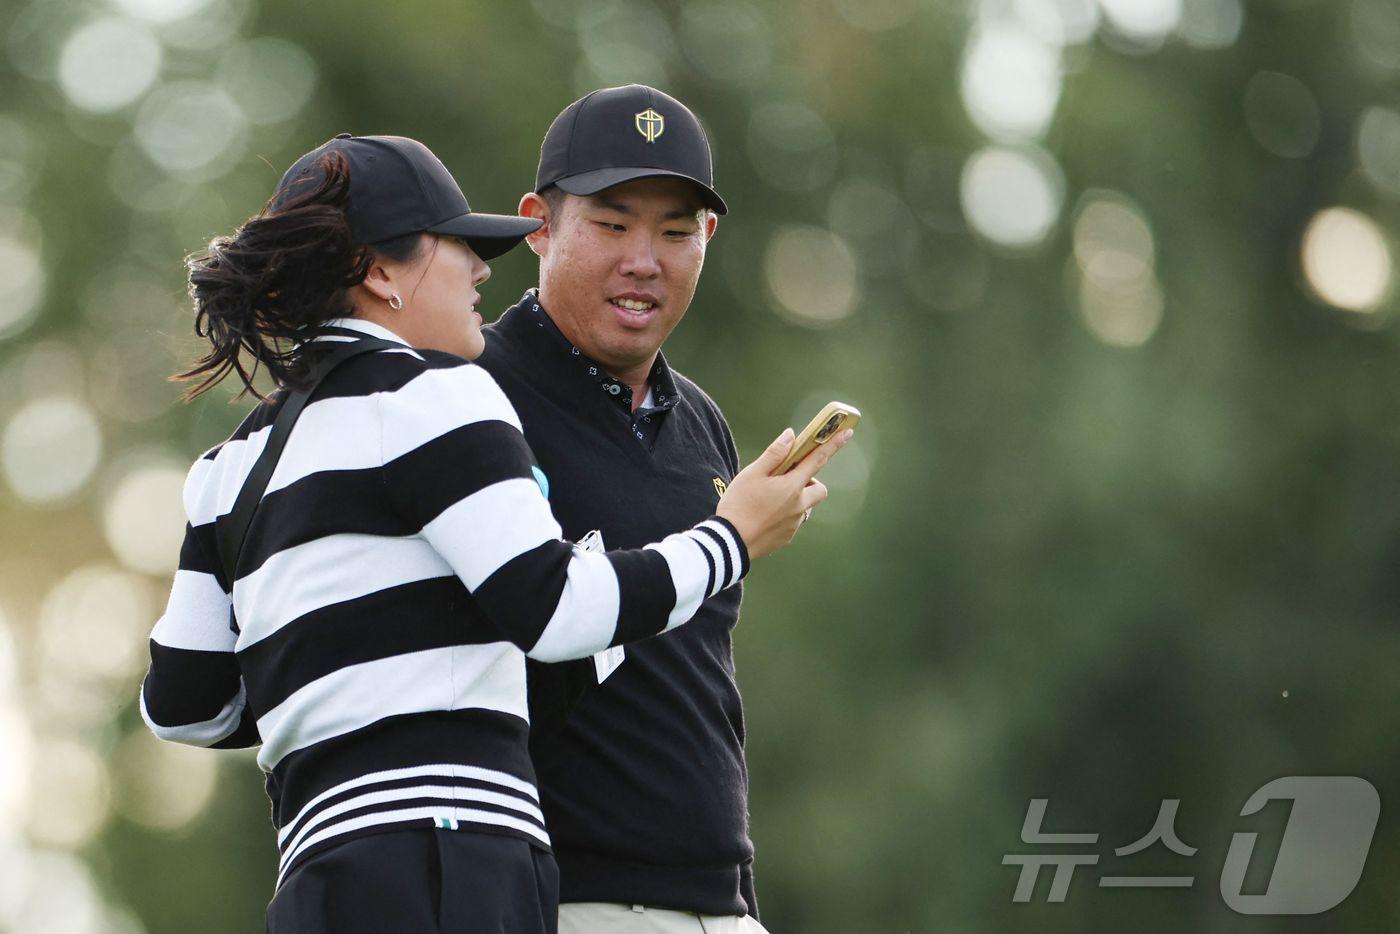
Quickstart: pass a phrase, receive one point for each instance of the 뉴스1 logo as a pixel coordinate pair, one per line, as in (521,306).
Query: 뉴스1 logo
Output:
(650,124)
(1331,824)
(1324,848)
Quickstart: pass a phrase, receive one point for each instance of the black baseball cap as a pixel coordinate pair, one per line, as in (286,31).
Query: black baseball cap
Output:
(614,135)
(398,187)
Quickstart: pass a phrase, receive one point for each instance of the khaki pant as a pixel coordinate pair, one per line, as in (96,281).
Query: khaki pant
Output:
(607,918)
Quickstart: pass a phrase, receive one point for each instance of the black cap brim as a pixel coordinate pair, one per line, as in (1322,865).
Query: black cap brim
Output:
(590,183)
(490,235)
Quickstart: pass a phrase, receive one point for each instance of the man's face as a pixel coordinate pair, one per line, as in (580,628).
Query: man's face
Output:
(618,268)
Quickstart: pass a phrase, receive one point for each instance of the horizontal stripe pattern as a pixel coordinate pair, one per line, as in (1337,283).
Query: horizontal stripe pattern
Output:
(455,814)
(189,725)
(438,771)
(430,614)
(702,561)
(469,737)
(445,790)
(583,614)
(196,615)
(509,510)
(401,565)
(329,570)
(490,677)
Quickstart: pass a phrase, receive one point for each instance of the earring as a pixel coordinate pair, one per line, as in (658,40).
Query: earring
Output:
(395,302)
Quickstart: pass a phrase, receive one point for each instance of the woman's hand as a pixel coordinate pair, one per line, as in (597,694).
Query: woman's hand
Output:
(766,510)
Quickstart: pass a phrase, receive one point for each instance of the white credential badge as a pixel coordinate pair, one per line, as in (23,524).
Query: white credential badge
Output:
(606,661)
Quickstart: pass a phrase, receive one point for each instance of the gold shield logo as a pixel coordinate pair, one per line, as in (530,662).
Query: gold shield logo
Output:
(720,486)
(650,124)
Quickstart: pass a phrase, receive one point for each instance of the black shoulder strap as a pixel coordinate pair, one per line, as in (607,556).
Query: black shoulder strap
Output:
(234,528)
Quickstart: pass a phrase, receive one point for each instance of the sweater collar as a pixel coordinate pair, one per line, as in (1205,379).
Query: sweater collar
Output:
(530,322)
(368,328)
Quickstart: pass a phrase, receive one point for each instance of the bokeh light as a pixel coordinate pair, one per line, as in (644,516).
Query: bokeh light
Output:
(163,785)
(624,41)
(1346,260)
(139,183)
(863,207)
(187,126)
(1378,148)
(1112,241)
(727,41)
(1010,83)
(144,518)
(206,27)
(60,897)
(9,664)
(877,222)
(1211,24)
(48,368)
(1375,27)
(15,765)
(1012,197)
(1282,114)
(1147,22)
(270,79)
(162,11)
(812,273)
(1124,315)
(847,482)
(21,271)
(34,37)
(1120,299)
(69,793)
(1054,22)
(128,377)
(17,155)
(93,625)
(60,702)
(50,449)
(16,871)
(791,146)
(108,63)
(16,738)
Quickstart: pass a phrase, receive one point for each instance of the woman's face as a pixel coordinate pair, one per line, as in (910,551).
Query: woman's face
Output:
(438,287)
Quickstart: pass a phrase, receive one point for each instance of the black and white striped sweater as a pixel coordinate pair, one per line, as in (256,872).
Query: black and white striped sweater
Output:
(400,567)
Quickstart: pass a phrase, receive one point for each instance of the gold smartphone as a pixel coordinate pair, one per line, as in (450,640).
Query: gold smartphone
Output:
(834,417)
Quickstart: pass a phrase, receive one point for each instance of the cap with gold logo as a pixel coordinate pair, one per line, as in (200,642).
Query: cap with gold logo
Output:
(615,135)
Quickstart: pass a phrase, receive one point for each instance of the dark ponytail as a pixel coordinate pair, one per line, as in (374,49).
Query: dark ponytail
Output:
(286,269)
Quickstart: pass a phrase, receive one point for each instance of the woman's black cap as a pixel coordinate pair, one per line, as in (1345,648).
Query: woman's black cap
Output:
(615,135)
(398,187)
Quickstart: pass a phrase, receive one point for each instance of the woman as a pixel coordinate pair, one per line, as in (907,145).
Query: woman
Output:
(370,630)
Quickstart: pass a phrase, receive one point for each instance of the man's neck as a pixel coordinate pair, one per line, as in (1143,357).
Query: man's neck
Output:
(635,376)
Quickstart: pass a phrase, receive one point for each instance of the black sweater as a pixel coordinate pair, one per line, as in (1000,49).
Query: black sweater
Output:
(642,777)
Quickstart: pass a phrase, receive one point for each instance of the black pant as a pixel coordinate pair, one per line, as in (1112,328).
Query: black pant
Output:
(421,882)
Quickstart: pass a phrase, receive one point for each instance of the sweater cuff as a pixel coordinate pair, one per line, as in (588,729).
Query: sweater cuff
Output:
(734,543)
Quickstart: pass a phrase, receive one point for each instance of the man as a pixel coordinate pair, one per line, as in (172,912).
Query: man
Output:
(639,753)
